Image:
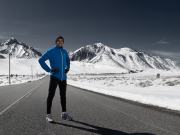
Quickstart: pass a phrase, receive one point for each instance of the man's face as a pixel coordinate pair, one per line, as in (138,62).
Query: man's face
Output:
(60,42)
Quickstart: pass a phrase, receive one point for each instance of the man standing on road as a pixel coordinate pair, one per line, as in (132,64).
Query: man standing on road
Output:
(60,65)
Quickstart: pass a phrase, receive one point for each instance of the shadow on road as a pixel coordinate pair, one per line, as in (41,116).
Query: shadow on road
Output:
(99,130)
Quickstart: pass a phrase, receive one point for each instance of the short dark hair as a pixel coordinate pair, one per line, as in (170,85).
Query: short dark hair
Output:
(59,37)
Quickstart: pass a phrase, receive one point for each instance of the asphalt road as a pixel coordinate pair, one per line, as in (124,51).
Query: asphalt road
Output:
(23,107)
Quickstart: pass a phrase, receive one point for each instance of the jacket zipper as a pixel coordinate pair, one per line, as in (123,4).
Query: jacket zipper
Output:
(62,64)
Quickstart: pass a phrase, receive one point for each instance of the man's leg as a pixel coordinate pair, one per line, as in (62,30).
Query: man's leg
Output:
(62,88)
(52,88)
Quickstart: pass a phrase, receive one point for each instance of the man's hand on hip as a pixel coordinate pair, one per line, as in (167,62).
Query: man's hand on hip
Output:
(66,70)
(55,70)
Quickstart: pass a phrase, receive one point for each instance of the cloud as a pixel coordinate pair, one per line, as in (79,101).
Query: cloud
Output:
(162,42)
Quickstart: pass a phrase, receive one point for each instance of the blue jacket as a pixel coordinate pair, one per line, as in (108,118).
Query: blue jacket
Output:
(58,58)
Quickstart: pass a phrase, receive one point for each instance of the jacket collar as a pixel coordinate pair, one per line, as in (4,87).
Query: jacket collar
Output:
(58,47)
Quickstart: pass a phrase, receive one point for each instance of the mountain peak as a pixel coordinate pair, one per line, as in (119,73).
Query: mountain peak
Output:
(18,49)
(99,44)
(126,49)
(12,38)
(96,45)
(10,41)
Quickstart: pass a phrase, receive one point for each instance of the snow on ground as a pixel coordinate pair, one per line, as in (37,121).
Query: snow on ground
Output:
(22,70)
(4,80)
(83,67)
(142,87)
(21,66)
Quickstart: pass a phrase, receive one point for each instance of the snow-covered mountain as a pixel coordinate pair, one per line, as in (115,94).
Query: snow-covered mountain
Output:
(18,49)
(124,58)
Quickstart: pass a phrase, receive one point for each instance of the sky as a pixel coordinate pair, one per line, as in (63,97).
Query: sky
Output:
(152,26)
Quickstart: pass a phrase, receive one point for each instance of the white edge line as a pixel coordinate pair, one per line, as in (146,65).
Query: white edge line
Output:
(27,94)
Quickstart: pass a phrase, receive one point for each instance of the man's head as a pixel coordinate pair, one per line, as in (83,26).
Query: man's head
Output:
(59,41)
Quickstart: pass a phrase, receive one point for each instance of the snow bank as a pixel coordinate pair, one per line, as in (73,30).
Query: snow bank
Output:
(147,89)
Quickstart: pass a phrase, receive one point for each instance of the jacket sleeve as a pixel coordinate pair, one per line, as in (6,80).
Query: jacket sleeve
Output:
(42,60)
(67,60)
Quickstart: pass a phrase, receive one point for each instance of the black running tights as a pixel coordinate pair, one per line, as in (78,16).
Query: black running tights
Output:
(52,89)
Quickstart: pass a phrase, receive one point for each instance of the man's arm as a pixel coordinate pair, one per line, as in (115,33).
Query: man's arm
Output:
(67,61)
(42,60)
